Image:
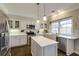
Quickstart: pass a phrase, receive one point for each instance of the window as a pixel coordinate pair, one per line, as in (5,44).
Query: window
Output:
(63,26)
(55,26)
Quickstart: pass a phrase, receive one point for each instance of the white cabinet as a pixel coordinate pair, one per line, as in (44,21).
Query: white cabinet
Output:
(17,40)
(44,25)
(66,45)
(36,50)
(10,22)
(13,23)
(70,46)
(23,40)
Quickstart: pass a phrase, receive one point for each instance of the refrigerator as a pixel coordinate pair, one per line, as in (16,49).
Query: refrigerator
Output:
(4,37)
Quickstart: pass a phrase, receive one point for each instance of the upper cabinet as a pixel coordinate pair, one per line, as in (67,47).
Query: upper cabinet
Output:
(16,24)
(10,23)
(43,25)
(13,24)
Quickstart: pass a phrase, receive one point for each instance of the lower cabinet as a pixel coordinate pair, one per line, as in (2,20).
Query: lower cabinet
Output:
(37,50)
(62,44)
(17,40)
(66,45)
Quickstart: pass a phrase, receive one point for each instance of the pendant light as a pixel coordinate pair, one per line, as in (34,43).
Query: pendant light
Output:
(38,13)
(44,17)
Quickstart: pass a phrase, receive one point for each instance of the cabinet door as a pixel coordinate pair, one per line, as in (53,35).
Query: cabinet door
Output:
(14,41)
(62,44)
(23,39)
(70,46)
(16,24)
(33,47)
(36,50)
(10,23)
(17,41)
(39,50)
(11,41)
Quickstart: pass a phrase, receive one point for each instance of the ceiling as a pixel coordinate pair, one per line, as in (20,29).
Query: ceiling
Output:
(30,9)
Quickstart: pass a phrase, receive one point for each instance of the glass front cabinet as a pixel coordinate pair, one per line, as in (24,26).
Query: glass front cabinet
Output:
(13,24)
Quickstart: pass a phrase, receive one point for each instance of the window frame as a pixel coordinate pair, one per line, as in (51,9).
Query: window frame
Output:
(58,26)
(63,19)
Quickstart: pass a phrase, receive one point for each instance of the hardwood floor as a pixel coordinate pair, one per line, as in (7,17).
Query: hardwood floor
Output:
(26,51)
(21,51)
(61,53)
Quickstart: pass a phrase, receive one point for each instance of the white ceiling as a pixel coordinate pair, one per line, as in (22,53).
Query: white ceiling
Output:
(30,9)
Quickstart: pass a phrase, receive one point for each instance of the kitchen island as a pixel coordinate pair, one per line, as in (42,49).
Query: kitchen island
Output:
(41,46)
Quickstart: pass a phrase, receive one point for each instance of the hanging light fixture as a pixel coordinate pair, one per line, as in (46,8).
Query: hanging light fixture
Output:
(44,17)
(38,21)
(38,13)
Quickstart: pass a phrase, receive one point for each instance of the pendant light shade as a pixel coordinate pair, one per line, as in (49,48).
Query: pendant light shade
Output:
(38,21)
(44,17)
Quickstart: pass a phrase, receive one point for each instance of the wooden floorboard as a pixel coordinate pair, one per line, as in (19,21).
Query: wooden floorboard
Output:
(21,51)
(61,53)
(26,51)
